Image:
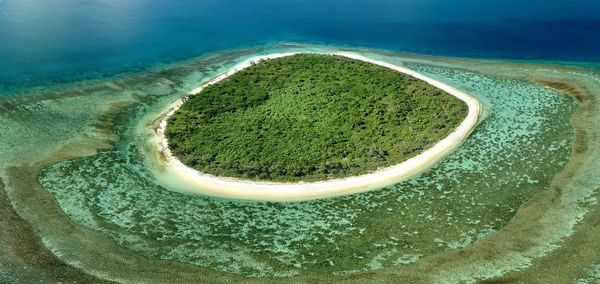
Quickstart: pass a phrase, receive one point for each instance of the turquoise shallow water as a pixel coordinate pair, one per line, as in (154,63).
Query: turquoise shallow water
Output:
(515,152)
(495,207)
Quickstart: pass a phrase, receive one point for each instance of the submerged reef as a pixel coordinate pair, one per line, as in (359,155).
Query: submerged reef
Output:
(515,200)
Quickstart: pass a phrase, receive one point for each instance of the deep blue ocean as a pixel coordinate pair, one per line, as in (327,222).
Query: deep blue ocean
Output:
(51,41)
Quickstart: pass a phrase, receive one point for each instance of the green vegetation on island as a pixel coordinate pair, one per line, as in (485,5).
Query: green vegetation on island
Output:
(310,117)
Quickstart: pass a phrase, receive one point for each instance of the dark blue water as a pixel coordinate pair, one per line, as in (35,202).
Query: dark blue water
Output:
(48,41)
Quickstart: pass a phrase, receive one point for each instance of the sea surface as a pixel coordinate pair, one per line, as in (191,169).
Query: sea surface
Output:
(47,42)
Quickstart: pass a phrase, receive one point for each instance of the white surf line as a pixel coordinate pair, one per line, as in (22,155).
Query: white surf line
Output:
(176,175)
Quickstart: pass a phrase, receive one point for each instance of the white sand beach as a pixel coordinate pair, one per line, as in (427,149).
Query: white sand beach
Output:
(178,176)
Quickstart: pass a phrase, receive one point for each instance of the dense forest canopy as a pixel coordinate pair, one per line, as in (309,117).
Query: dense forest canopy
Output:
(310,117)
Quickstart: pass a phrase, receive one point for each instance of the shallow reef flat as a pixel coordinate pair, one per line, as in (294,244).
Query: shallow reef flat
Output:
(512,203)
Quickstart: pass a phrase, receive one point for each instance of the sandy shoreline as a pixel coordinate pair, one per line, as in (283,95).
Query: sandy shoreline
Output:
(178,176)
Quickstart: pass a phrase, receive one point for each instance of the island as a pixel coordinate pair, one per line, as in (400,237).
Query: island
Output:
(282,121)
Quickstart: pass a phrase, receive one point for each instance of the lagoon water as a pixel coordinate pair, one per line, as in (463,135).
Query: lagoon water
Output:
(44,42)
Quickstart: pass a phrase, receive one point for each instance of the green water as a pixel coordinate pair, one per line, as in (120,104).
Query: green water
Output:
(522,142)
